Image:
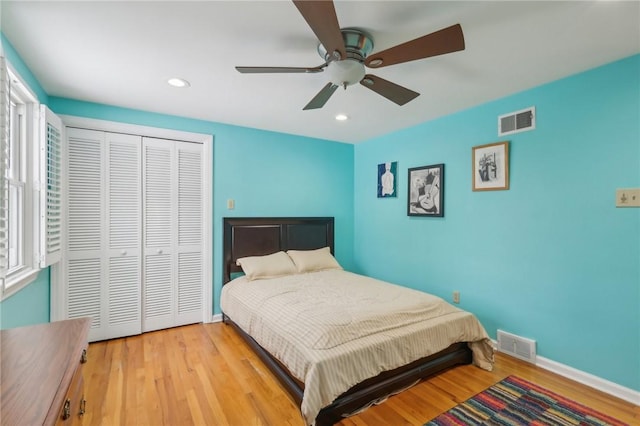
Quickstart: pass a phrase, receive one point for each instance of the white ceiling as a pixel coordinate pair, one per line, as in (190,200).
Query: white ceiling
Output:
(122,53)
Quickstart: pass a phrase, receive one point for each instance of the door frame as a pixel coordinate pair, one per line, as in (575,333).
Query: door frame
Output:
(58,296)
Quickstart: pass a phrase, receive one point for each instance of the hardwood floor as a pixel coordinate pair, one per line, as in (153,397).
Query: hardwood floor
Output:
(204,374)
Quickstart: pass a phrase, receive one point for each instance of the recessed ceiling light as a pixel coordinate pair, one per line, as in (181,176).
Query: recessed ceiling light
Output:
(342,117)
(178,82)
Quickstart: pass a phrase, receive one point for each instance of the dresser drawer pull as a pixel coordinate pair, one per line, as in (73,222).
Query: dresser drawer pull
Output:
(66,409)
(83,406)
(83,358)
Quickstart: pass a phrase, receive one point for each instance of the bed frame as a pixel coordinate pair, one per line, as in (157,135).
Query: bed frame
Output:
(260,236)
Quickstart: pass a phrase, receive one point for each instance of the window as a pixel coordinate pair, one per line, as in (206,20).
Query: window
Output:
(20,169)
(19,196)
(17,182)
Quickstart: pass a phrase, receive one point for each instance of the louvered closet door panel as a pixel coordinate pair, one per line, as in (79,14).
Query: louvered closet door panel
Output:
(123,186)
(189,195)
(190,229)
(158,306)
(84,267)
(85,191)
(84,291)
(189,288)
(159,224)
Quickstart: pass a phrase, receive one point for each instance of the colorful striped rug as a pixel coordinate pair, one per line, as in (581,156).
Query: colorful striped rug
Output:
(514,401)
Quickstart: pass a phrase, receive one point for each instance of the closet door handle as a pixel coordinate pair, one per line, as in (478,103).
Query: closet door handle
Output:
(159,251)
(123,252)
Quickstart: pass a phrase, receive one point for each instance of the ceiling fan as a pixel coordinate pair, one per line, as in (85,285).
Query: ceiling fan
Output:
(345,52)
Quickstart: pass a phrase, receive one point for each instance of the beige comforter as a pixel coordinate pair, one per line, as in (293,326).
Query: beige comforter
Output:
(334,329)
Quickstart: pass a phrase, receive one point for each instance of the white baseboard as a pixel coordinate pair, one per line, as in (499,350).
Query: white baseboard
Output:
(590,380)
(587,379)
(216,318)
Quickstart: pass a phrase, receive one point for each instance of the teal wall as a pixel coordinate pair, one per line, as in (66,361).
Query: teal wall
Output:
(551,258)
(28,306)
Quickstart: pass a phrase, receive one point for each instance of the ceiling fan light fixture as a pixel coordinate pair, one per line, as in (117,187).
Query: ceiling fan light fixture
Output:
(178,82)
(345,73)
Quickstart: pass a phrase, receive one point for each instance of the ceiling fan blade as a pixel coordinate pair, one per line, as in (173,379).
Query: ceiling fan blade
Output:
(447,40)
(394,92)
(322,97)
(321,17)
(264,70)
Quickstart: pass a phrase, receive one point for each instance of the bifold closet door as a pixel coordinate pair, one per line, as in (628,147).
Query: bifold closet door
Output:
(103,262)
(172,233)
(190,241)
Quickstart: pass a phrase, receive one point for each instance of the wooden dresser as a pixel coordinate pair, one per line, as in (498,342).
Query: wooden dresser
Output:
(41,373)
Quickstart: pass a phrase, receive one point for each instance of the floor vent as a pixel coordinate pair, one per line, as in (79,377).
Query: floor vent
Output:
(519,347)
(518,121)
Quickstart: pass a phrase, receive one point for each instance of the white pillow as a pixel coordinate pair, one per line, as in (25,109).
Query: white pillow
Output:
(269,266)
(313,260)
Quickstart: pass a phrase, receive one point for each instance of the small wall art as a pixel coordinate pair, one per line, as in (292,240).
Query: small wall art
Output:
(490,167)
(387,173)
(426,191)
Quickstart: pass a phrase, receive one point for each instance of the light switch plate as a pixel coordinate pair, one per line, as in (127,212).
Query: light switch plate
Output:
(628,197)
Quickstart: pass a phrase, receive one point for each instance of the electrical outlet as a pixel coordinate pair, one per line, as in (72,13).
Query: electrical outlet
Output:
(629,197)
(456,297)
(231,204)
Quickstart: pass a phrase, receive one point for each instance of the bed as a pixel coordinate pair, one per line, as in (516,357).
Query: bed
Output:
(329,376)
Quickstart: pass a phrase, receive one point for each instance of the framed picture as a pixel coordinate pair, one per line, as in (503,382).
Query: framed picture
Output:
(490,166)
(387,173)
(426,191)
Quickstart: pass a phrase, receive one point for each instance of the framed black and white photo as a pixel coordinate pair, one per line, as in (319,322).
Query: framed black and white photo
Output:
(387,173)
(426,191)
(490,166)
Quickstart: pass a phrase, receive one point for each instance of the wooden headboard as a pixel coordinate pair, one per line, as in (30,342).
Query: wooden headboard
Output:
(250,236)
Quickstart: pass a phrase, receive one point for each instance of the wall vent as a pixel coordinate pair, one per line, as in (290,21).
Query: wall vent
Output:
(519,347)
(518,121)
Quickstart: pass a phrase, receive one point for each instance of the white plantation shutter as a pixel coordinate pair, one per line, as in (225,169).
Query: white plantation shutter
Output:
(5,104)
(51,188)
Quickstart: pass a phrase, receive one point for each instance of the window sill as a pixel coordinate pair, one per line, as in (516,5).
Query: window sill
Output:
(18,281)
